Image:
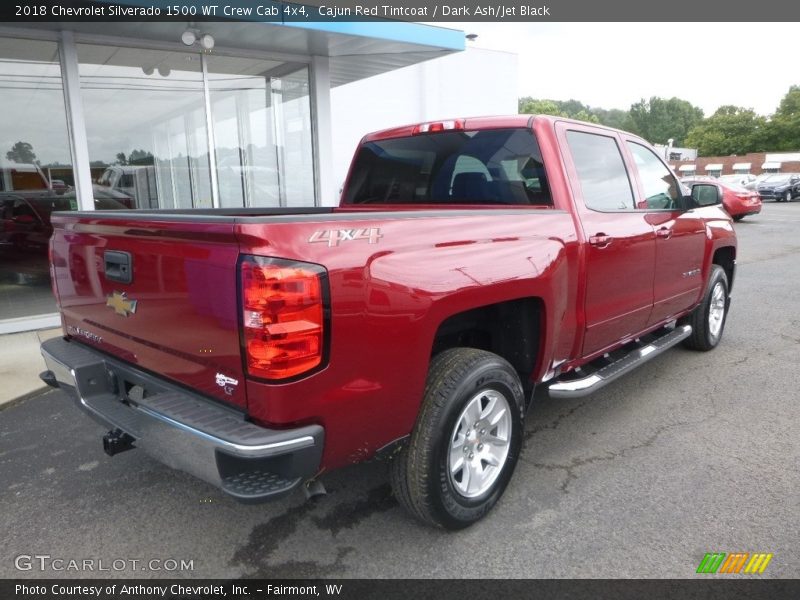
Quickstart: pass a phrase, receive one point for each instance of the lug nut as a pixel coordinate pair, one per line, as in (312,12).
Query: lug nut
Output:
(466,449)
(471,455)
(480,447)
(483,432)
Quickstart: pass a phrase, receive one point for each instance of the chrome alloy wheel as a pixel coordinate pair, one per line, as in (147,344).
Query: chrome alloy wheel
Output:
(479,443)
(716,310)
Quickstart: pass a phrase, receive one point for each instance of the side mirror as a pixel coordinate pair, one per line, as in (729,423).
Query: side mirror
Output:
(706,194)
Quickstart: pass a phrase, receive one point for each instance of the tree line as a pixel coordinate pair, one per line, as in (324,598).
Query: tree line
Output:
(730,130)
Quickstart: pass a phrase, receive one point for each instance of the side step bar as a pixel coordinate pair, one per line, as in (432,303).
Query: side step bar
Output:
(577,388)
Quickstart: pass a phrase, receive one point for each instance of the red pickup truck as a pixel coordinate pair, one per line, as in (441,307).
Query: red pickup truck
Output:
(468,262)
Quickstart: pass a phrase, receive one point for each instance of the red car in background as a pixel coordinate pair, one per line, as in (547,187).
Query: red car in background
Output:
(737,200)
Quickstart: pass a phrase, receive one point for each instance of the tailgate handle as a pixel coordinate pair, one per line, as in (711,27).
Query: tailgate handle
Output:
(118,266)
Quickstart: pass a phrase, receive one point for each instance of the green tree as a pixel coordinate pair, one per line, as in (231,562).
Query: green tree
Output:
(140,157)
(783,130)
(532,106)
(572,109)
(122,159)
(22,152)
(730,130)
(586,115)
(614,117)
(658,119)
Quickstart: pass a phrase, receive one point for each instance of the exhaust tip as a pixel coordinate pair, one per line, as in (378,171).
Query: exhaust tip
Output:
(314,489)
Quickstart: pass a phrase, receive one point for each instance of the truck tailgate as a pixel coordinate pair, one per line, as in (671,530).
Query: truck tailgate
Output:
(159,294)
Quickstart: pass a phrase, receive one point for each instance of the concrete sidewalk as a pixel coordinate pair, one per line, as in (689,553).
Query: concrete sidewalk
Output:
(20,364)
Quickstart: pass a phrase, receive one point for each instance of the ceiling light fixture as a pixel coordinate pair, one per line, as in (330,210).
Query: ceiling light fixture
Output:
(207,42)
(192,37)
(189,37)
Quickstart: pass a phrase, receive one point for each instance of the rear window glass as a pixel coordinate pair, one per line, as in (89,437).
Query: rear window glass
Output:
(495,166)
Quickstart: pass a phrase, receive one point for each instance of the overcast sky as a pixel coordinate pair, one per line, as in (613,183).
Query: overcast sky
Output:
(613,65)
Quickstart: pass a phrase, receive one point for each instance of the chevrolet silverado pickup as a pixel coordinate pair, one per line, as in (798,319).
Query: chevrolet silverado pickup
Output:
(468,262)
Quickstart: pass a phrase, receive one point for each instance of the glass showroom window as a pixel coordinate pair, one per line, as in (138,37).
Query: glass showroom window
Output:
(261,114)
(35,173)
(146,127)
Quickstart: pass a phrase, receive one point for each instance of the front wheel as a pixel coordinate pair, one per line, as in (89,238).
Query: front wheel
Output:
(466,441)
(708,319)
(787,197)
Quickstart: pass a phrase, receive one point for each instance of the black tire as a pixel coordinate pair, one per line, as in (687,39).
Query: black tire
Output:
(420,474)
(738,218)
(787,197)
(706,336)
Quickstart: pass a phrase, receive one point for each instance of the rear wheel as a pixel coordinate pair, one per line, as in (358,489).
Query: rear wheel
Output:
(466,441)
(708,319)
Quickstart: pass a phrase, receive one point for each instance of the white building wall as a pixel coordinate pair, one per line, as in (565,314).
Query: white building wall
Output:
(476,82)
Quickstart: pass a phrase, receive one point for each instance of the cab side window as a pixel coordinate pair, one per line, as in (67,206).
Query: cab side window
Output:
(661,189)
(601,172)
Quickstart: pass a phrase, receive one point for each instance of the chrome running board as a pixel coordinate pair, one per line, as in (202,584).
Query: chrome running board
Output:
(577,388)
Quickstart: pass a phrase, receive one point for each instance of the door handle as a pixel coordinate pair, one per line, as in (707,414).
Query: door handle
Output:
(600,240)
(664,232)
(118,266)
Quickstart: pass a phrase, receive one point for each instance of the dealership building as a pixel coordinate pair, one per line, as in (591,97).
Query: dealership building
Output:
(184,115)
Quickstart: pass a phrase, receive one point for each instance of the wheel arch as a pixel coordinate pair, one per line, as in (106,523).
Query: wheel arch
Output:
(725,257)
(513,329)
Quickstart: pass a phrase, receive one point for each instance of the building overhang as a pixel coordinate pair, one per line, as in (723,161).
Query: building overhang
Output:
(741,166)
(771,165)
(684,168)
(714,167)
(356,50)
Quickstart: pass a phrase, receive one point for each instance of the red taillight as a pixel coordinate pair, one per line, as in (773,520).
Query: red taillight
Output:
(437,127)
(283,316)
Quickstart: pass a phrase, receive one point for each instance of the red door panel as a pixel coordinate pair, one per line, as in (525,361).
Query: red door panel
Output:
(620,243)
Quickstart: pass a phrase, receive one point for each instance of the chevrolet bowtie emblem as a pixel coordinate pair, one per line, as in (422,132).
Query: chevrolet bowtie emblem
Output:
(120,303)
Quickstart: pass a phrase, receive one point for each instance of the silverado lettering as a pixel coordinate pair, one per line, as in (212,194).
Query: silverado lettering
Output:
(515,253)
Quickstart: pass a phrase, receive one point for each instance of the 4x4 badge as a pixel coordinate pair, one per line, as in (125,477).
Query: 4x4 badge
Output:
(121,304)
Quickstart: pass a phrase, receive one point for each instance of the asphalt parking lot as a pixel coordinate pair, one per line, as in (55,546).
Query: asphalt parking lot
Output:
(692,453)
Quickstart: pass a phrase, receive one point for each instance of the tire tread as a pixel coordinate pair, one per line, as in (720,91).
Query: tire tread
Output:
(698,340)
(410,477)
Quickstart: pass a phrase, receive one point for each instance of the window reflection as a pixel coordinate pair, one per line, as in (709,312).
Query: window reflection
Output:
(35,172)
(262,132)
(145,123)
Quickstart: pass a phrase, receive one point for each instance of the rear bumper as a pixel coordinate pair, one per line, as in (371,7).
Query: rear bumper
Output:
(747,211)
(184,430)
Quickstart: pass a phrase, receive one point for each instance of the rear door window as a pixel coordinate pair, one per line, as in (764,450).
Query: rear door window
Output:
(601,171)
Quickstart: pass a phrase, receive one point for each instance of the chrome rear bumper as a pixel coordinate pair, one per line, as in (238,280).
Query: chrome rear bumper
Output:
(183,430)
